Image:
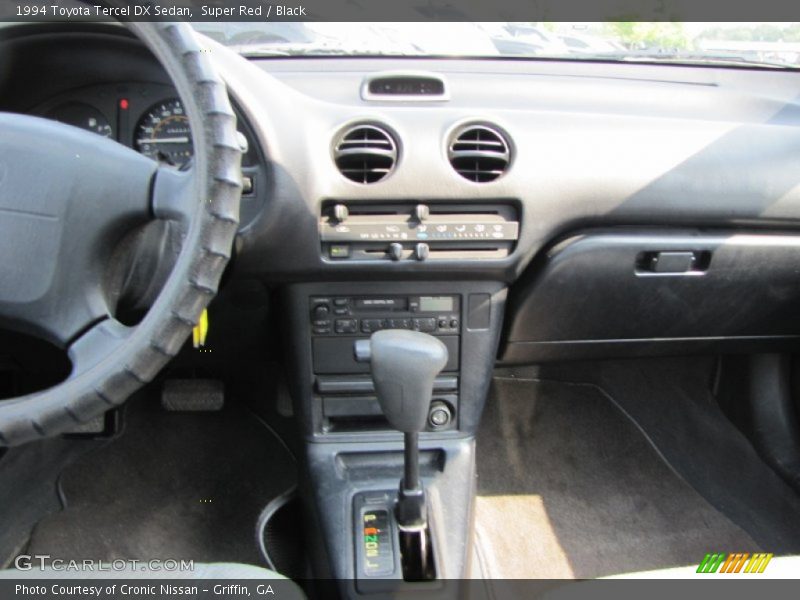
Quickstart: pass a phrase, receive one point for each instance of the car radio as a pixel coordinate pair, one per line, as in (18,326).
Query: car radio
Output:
(355,315)
(346,393)
(338,321)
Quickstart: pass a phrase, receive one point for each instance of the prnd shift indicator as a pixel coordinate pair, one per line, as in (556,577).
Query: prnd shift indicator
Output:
(378,551)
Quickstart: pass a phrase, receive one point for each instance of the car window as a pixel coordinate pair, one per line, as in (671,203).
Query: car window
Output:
(774,45)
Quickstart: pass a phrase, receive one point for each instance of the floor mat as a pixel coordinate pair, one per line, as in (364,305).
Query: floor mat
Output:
(171,486)
(24,499)
(569,487)
(670,400)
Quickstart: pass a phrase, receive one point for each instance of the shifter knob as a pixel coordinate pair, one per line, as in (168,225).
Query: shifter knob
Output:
(404,365)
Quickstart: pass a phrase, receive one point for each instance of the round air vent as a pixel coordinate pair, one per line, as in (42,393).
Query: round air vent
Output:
(365,153)
(479,153)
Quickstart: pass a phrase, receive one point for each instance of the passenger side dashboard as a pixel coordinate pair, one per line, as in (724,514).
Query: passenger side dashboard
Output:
(638,163)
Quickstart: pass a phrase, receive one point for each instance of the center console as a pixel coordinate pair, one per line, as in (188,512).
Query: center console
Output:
(334,394)
(391,361)
(344,386)
(354,456)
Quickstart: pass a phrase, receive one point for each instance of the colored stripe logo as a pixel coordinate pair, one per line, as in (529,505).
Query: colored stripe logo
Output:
(738,562)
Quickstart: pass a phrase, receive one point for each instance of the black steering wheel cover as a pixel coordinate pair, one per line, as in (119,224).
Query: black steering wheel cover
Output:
(196,274)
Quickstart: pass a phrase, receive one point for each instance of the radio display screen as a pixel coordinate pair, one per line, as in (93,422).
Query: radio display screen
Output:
(382,303)
(436,303)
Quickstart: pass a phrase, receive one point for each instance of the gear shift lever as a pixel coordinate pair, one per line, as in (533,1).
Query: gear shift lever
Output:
(404,365)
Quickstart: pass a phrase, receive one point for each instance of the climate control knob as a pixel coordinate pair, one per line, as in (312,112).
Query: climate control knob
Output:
(340,212)
(395,251)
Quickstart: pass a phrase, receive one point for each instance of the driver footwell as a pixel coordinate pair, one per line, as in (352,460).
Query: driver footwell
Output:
(170,486)
(569,487)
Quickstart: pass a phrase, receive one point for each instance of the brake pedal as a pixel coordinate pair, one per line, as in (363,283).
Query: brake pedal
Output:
(193,395)
(93,428)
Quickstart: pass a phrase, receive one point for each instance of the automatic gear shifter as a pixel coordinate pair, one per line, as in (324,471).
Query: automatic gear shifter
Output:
(404,365)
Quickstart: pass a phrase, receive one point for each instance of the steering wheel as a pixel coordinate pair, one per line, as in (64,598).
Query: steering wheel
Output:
(67,197)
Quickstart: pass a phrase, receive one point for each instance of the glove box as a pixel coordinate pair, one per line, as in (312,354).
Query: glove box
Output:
(644,292)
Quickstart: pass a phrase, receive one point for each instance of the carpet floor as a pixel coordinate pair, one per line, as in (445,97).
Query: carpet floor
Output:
(170,486)
(568,487)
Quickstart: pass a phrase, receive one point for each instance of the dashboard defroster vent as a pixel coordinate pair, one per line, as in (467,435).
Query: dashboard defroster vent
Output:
(479,153)
(365,153)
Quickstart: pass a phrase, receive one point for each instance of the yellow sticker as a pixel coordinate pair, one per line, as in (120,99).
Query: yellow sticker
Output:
(200,330)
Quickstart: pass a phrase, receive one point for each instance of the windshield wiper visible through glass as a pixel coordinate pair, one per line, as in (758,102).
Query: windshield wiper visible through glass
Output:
(252,50)
(310,49)
(697,59)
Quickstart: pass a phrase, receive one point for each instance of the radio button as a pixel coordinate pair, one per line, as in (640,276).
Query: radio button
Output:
(443,323)
(340,301)
(370,325)
(346,325)
(425,325)
(400,323)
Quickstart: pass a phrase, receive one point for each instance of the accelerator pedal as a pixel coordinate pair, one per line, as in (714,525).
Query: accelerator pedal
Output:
(193,395)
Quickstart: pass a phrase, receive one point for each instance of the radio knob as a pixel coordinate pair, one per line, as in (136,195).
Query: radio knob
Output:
(321,312)
(422,251)
(422,212)
(395,251)
(340,212)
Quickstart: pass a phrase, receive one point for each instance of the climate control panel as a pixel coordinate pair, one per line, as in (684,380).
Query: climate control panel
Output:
(417,232)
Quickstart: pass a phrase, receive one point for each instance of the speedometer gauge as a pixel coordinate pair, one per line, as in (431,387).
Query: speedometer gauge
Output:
(164,135)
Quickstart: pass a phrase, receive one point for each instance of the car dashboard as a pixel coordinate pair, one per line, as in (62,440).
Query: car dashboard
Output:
(583,190)
(521,211)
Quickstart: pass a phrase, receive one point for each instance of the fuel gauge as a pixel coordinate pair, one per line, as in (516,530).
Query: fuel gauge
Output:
(82,115)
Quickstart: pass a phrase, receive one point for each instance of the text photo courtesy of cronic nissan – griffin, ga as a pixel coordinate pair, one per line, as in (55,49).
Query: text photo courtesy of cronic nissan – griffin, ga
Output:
(113,590)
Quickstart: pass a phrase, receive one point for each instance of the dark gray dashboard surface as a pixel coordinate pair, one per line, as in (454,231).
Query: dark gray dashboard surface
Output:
(593,145)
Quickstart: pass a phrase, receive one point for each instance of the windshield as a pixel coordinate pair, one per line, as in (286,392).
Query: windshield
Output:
(746,44)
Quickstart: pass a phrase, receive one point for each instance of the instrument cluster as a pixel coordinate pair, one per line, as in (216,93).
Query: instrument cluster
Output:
(150,118)
(147,117)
